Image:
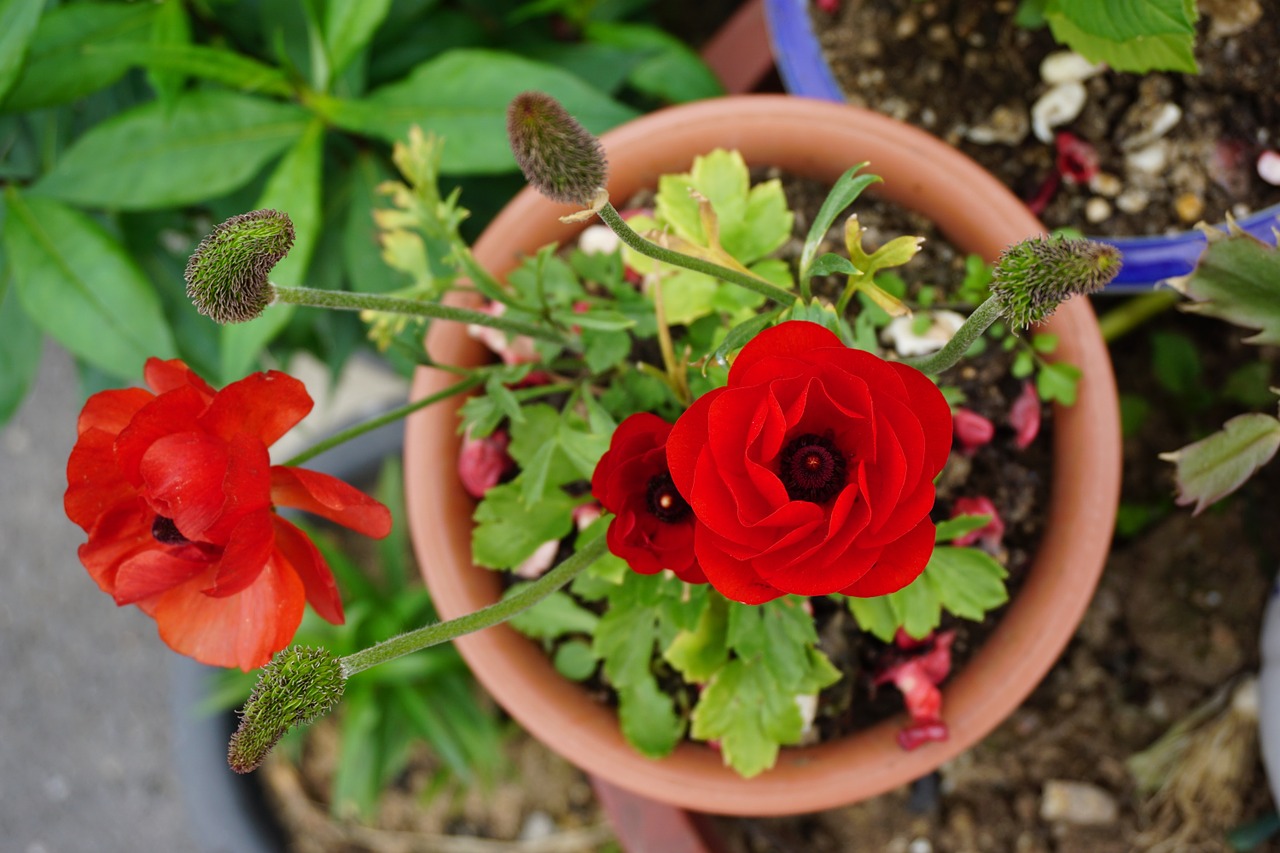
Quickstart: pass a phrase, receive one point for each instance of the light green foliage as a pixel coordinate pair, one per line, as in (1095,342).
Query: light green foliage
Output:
(1056,381)
(965,582)
(17,23)
(1128,35)
(1214,467)
(1238,280)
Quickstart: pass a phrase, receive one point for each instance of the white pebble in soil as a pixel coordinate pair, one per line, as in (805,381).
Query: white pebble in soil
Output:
(1065,66)
(1077,803)
(1056,107)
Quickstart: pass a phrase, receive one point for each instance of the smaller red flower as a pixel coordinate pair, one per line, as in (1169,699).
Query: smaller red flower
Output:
(176,490)
(653,528)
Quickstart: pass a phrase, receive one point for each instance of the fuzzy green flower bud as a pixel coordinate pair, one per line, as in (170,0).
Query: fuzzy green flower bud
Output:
(558,156)
(1033,277)
(227,275)
(298,686)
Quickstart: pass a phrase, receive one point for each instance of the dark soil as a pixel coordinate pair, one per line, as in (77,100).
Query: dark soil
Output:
(1174,623)
(955,68)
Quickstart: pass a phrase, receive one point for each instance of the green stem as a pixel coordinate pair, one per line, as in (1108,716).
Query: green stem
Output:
(985,314)
(499,611)
(347,301)
(1124,318)
(645,247)
(382,420)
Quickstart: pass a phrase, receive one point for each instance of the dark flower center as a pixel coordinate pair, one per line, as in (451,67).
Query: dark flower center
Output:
(664,501)
(812,468)
(166,532)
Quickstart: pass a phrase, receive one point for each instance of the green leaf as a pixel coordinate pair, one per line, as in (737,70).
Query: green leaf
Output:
(81,288)
(830,263)
(745,709)
(1058,382)
(358,774)
(205,145)
(18,20)
(1128,35)
(699,654)
(540,428)
(843,193)
(553,617)
(293,187)
(876,616)
(508,530)
(575,660)
(171,28)
(1238,280)
(59,68)
(673,72)
(953,528)
(1214,467)
(463,96)
(20,344)
(231,69)
(348,28)
(967,581)
(1176,363)
(648,718)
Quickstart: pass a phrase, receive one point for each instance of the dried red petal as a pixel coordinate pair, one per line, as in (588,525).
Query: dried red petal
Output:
(971,429)
(990,534)
(919,734)
(1076,159)
(1024,416)
(484,462)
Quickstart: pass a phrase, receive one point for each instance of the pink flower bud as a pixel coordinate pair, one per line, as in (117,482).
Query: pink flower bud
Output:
(1024,416)
(518,349)
(991,534)
(971,429)
(539,561)
(484,462)
(921,733)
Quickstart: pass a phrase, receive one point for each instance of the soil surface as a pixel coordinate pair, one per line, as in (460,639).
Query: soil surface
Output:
(1173,149)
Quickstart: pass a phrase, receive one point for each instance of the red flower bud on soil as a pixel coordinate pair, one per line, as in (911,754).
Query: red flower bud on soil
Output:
(971,429)
(484,462)
(1024,416)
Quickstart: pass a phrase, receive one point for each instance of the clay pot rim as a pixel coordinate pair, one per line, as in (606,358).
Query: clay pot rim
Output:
(820,140)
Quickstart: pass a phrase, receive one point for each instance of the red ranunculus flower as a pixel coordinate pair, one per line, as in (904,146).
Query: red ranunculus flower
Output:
(177,493)
(653,529)
(812,471)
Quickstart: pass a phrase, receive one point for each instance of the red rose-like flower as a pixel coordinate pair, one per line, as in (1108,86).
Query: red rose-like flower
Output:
(653,529)
(812,471)
(176,491)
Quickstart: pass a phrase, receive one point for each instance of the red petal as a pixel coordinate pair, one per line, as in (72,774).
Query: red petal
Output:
(252,543)
(94,483)
(1024,416)
(153,572)
(687,441)
(934,414)
(901,563)
(172,412)
(246,487)
(301,553)
(793,338)
(112,410)
(732,578)
(921,733)
(165,376)
(242,630)
(117,534)
(182,477)
(329,498)
(266,405)
(972,430)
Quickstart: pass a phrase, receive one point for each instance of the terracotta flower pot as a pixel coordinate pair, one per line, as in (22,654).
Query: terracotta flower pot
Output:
(817,140)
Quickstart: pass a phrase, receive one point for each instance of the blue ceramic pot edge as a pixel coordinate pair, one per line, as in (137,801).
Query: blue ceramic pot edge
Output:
(1148,261)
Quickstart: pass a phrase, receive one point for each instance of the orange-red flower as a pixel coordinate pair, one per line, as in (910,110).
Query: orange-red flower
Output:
(177,493)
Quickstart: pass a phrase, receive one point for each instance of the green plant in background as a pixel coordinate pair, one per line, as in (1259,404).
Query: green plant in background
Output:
(1128,35)
(428,698)
(127,128)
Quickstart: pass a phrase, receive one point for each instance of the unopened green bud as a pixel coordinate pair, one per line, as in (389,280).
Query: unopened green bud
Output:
(298,686)
(227,275)
(558,156)
(1035,276)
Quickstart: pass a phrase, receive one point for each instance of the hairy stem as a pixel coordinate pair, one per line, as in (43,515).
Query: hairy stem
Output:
(982,317)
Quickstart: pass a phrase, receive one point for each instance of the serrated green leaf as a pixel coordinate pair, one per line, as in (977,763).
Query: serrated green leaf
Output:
(1044,343)
(968,582)
(1214,467)
(648,718)
(575,660)
(832,263)
(1238,280)
(533,476)
(18,19)
(206,144)
(20,346)
(58,69)
(876,616)
(745,709)
(624,640)
(553,617)
(539,428)
(462,95)
(81,287)
(1058,382)
(295,188)
(1128,35)
(953,528)
(699,654)
(508,531)
(918,606)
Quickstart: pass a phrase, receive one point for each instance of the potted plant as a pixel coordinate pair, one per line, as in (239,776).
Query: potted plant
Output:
(175,490)
(814,140)
(1150,256)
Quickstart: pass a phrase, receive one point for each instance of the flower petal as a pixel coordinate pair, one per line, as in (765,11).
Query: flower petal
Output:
(119,533)
(242,630)
(900,563)
(94,483)
(252,543)
(266,405)
(172,412)
(301,553)
(112,410)
(182,478)
(165,376)
(731,577)
(152,572)
(329,498)
(793,338)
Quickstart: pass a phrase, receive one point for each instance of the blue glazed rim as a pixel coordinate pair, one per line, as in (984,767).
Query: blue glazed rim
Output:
(1147,260)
